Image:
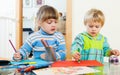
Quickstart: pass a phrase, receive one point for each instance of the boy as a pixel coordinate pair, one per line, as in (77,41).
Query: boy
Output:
(47,19)
(91,45)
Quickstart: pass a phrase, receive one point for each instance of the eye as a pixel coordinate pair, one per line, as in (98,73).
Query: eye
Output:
(97,26)
(49,21)
(90,26)
(56,21)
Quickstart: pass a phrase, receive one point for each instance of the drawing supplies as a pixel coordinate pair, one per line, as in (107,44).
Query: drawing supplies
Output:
(12,46)
(75,63)
(29,63)
(44,43)
(53,53)
(28,69)
(79,61)
(50,54)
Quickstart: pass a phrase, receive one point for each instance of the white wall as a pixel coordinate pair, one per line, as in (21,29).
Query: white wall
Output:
(111,10)
(7,27)
(29,13)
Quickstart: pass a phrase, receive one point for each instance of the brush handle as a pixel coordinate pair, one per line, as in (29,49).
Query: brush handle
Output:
(12,46)
(28,69)
(44,43)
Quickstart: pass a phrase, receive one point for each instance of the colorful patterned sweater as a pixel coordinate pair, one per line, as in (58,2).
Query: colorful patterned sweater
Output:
(34,44)
(91,48)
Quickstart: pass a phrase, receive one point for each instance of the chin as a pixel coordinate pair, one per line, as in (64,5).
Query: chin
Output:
(93,35)
(52,33)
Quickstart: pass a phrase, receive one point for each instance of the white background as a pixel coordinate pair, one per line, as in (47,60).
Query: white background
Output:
(110,8)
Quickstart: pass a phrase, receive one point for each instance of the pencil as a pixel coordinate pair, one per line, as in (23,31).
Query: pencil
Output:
(12,46)
(44,43)
(79,61)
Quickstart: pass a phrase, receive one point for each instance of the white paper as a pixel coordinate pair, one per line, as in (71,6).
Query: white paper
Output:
(65,71)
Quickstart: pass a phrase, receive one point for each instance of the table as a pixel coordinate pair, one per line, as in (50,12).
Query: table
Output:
(107,69)
(111,69)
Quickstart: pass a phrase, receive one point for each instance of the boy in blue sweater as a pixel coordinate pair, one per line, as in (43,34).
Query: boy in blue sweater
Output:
(47,19)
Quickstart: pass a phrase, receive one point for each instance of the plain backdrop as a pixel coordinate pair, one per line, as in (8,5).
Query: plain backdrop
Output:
(110,8)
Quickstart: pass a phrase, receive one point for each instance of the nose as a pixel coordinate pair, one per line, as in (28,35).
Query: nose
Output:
(94,28)
(53,24)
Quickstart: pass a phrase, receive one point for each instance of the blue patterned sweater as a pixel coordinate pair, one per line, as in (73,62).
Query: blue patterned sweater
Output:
(33,43)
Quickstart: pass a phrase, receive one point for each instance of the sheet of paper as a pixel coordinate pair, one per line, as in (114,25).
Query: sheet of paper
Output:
(75,63)
(65,71)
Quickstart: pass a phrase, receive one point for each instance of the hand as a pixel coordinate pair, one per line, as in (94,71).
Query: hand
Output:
(115,52)
(76,56)
(42,56)
(17,56)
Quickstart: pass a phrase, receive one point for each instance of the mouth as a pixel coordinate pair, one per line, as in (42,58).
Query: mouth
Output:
(93,33)
(53,29)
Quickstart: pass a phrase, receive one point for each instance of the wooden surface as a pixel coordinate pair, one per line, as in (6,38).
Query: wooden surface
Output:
(3,58)
(68,36)
(19,25)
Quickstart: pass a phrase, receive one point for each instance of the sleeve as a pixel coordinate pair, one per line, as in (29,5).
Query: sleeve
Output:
(77,44)
(106,47)
(61,47)
(26,48)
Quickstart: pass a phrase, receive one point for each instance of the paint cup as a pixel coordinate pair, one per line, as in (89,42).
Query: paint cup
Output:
(50,54)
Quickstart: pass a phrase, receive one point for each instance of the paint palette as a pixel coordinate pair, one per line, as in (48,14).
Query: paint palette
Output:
(113,59)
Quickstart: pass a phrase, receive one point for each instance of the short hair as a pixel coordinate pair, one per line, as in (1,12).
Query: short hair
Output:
(94,15)
(47,12)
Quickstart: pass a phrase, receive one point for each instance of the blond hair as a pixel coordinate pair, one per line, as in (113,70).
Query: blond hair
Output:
(44,13)
(94,15)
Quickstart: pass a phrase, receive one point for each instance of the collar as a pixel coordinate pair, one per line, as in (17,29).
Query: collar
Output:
(89,36)
(41,31)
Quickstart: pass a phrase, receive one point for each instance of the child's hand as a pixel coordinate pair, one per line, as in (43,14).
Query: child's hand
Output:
(115,52)
(76,56)
(17,56)
(42,56)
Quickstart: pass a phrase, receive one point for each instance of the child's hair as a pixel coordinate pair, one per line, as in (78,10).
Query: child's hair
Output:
(94,15)
(46,12)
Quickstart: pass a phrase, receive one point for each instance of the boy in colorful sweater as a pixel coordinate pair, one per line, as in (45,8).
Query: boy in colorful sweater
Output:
(91,45)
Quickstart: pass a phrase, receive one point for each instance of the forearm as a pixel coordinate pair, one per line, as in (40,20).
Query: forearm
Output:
(61,55)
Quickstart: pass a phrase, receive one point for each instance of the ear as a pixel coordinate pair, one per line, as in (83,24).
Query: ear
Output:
(38,23)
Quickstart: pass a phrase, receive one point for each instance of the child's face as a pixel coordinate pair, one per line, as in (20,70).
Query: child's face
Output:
(49,26)
(93,28)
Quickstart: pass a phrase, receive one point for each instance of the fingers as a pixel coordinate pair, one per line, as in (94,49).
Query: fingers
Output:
(42,56)
(17,56)
(76,56)
(116,52)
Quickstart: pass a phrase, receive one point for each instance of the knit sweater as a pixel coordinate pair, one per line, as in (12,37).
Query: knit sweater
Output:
(91,48)
(33,43)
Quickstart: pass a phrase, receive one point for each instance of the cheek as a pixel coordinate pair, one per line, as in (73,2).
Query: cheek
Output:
(99,29)
(89,29)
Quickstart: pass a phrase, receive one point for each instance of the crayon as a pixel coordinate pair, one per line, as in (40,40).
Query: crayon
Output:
(12,46)
(79,61)
(28,69)
(29,63)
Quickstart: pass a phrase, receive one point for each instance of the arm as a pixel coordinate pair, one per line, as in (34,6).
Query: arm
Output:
(24,51)
(77,47)
(26,48)
(106,47)
(61,47)
(108,51)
